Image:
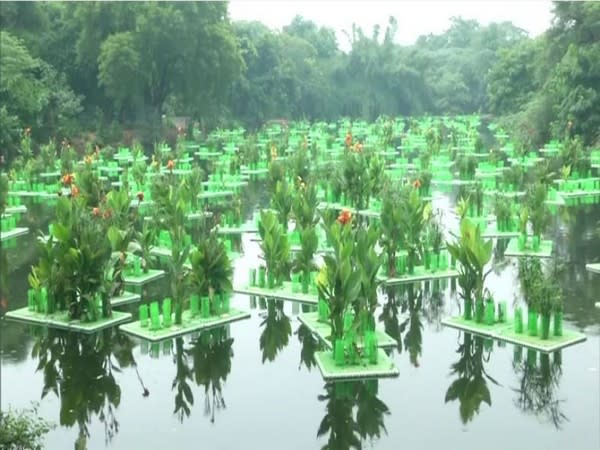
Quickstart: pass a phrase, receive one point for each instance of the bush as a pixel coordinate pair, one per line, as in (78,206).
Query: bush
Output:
(23,430)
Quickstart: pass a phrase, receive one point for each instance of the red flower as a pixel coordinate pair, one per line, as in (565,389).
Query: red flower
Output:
(96,212)
(67,179)
(344,217)
(140,196)
(170,164)
(417,183)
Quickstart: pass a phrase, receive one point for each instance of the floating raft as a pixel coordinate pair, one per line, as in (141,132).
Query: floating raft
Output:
(161,251)
(545,250)
(216,194)
(125,299)
(144,278)
(578,194)
(15,232)
(419,275)
(254,171)
(61,320)
(323,331)
(453,182)
(594,268)
(280,293)
(15,209)
(384,368)
(505,332)
(244,228)
(492,232)
(189,324)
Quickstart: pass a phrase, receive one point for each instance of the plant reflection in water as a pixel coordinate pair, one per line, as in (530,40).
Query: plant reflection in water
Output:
(277,330)
(206,362)
(80,370)
(470,387)
(538,384)
(353,413)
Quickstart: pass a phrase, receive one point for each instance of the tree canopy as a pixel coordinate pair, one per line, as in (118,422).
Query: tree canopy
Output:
(72,66)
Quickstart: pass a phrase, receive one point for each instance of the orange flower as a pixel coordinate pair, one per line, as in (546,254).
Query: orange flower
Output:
(358,147)
(74,191)
(67,179)
(170,164)
(348,139)
(140,196)
(417,183)
(344,217)
(96,212)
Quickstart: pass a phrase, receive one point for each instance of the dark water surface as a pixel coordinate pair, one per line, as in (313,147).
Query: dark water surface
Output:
(255,392)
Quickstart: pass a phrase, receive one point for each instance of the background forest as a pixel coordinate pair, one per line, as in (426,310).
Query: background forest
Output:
(103,72)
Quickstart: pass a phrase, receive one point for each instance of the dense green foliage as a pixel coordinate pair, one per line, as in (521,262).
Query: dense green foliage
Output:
(97,66)
(20,430)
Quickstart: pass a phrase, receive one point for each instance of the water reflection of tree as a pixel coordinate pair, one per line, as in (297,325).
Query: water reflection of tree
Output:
(207,363)
(212,355)
(413,339)
(80,369)
(390,316)
(310,344)
(409,301)
(470,387)
(538,385)
(277,330)
(345,429)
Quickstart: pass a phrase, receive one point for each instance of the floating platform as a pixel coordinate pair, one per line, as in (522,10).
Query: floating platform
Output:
(454,182)
(189,324)
(15,232)
(244,228)
(33,194)
(161,251)
(254,171)
(578,194)
(419,275)
(545,250)
(125,299)
(61,320)
(594,268)
(216,194)
(20,209)
(323,331)
(151,275)
(492,232)
(385,367)
(505,332)
(280,293)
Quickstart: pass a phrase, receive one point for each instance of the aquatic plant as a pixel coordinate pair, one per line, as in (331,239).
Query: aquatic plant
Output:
(275,247)
(472,254)
(212,272)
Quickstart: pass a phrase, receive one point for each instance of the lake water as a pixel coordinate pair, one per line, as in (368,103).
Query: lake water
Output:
(259,392)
